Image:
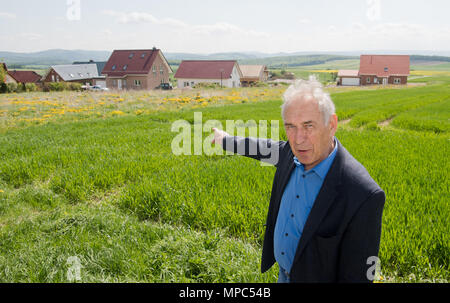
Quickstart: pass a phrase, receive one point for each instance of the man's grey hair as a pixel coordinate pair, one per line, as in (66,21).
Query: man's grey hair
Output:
(311,89)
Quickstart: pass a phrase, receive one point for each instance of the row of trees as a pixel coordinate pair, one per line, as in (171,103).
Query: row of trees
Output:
(17,87)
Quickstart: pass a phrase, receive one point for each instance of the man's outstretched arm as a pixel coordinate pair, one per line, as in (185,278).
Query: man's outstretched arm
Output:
(265,150)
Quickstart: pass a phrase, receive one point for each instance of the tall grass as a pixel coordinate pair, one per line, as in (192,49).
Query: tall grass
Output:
(111,192)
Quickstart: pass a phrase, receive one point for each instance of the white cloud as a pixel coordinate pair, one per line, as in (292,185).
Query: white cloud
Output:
(30,36)
(391,36)
(7,15)
(304,21)
(107,32)
(219,28)
(332,29)
(358,27)
(138,17)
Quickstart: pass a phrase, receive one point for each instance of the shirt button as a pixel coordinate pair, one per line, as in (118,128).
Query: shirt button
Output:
(282,253)
(298,196)
(292,215)
(303,176)
(286,234)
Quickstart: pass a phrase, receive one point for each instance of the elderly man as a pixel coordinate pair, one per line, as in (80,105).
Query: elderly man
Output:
(324,218)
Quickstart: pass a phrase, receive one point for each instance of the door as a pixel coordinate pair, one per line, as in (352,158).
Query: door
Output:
(119,84)
(384,81)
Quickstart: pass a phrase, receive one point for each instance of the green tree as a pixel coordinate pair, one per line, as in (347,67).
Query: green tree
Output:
(2,74)
(3,88)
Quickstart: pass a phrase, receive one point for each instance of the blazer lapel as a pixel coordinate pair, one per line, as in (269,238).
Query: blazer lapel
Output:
(285,172)
(324,199)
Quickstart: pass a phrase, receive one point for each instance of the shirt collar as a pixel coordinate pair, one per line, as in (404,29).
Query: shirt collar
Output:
(322,168)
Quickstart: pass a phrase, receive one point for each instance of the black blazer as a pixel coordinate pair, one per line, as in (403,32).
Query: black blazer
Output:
(344,225)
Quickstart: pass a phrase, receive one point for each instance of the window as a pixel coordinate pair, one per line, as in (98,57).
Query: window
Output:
(114,82)
(186,84)
(131,56)
(397,81)
(80,74)
(368,80)
(375,80)
(161,70)
(71,75)
(192,83)
(137,82)
(113,67)
(143,56)
(125,67)
(53,78)
(385,69)
(154,70)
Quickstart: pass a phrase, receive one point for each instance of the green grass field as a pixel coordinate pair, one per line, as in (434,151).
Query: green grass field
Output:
(106,187)
(442,66)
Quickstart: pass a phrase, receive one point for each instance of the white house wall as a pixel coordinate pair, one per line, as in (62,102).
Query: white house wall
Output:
(233,81)
(225,82)
(350,81)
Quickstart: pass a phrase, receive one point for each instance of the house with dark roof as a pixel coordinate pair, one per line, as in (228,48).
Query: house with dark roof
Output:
(136,69)
(25,76)
(222,72)
(100,64)
(377,69)
(99,80)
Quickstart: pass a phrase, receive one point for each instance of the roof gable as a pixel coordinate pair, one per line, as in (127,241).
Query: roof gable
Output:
(252,71)
(206,69)
(138,61)
(384,65)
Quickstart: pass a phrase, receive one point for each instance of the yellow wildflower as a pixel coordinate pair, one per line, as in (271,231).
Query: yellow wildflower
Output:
(117,113)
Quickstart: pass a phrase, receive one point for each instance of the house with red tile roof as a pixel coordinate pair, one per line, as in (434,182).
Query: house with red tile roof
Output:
(384,69)
(25,76)
(136,69)
(225,73)
(377,69)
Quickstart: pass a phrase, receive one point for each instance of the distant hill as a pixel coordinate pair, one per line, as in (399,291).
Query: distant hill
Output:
(43,59)
(51,57)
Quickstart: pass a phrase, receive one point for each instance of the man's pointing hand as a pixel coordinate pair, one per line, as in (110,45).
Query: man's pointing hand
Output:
(218,136)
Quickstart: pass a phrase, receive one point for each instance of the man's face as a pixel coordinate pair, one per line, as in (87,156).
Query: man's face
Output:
(310,139)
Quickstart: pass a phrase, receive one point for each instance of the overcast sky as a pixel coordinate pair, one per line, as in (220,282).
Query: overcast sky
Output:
(208,26)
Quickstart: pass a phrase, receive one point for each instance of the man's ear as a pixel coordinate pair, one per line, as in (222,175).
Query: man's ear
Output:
(333,124)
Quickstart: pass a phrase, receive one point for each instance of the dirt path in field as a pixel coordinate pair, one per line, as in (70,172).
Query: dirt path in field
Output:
(344,121)
(385,122)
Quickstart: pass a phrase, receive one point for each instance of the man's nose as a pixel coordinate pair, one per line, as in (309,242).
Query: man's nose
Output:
(300,136)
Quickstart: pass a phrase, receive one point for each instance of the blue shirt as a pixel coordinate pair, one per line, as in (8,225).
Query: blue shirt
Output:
(297,200)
